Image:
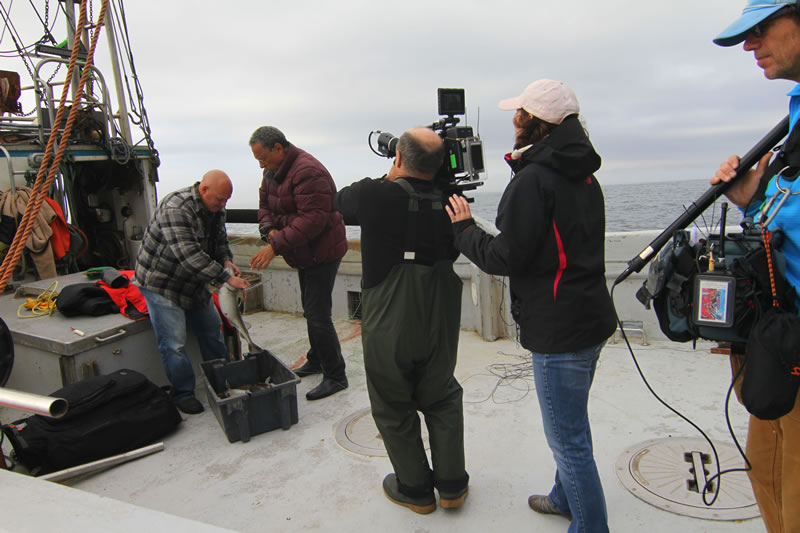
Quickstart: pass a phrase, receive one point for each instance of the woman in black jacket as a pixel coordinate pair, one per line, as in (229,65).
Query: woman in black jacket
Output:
(551,222)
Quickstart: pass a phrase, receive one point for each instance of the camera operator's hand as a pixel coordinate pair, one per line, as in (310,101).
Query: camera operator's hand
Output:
(458,209)
(741,192)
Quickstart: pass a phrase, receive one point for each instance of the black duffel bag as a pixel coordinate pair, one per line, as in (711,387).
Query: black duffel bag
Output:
(107,415)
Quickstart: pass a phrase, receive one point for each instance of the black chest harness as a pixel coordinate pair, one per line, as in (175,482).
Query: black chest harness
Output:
(417,201)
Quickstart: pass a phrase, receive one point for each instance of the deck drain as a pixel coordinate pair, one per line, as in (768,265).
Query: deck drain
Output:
(661,472)
(357,433)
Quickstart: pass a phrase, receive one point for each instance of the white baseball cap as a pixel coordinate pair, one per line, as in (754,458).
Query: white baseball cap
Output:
(549,100)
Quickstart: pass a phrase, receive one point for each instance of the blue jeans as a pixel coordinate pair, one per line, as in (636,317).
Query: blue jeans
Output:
(562,383)
(169,322)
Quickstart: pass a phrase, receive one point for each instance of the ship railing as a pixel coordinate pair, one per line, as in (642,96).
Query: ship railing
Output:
(47,103)
(11,171)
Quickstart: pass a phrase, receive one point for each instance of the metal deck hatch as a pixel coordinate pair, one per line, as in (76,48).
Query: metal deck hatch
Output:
(670,474)
(357,433)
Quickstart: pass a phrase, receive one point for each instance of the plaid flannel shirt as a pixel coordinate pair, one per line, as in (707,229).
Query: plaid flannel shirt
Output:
(175,259)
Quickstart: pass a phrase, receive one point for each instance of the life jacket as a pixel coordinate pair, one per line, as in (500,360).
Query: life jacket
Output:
(128,298)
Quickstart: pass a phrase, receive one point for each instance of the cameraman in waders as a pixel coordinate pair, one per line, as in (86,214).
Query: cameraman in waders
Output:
(411,312)
(771,30)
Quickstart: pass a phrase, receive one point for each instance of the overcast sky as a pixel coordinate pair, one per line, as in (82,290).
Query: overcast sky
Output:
(660,100)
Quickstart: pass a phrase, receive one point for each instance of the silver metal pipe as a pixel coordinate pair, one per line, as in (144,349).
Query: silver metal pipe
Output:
(10,170)
(34,403)
(102,464)
(72,23)
(122,105)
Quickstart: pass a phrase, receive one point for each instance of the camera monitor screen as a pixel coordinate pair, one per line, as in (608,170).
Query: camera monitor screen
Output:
(451,101)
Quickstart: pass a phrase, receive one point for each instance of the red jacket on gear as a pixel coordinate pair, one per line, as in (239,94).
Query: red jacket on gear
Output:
(61,239)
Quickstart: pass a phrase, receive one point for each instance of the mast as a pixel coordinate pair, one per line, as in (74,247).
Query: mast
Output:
(122,106)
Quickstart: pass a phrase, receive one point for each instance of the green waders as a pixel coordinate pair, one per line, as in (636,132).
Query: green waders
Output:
(410,327)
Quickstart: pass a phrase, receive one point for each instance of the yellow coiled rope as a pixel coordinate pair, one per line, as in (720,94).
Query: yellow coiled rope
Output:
(42,305)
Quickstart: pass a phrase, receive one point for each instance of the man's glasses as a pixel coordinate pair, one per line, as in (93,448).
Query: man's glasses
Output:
(759,30)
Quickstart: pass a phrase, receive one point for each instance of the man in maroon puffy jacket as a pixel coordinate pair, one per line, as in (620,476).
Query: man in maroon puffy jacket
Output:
(298,220)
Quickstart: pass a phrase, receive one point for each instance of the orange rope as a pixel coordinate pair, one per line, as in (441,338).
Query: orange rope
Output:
(767,236)
(42,185)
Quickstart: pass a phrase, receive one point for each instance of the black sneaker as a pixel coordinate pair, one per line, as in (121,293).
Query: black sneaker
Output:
(423,505)
(189,405)
(308,369)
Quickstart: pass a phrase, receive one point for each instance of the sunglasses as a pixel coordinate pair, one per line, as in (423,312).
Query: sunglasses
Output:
(759,30)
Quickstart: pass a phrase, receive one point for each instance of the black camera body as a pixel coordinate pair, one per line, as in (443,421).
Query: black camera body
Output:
(463,162)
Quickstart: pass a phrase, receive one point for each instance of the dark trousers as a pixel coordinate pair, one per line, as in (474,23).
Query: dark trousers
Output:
(398,388)
(316,287)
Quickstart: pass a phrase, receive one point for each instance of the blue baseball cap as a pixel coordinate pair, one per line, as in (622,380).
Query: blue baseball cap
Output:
(754,12)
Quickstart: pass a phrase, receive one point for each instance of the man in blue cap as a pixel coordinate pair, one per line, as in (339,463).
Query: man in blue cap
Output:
(771,30)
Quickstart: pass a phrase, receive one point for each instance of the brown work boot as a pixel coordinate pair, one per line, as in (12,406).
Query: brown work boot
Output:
(542,504)
(453,500)
(421,505)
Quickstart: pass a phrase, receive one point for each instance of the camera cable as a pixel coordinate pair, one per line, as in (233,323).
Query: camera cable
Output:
(719,473)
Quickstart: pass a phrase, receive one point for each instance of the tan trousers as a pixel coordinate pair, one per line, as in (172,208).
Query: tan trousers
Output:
(773,449)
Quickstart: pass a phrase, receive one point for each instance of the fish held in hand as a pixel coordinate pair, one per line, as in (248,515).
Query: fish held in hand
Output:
(229,304)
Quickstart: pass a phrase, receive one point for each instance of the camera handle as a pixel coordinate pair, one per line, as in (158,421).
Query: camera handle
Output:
(442,123)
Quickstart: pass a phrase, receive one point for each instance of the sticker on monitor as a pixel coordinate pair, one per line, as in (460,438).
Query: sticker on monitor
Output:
(714,299)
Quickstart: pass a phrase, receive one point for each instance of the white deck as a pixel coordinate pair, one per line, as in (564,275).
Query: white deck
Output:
(302,479)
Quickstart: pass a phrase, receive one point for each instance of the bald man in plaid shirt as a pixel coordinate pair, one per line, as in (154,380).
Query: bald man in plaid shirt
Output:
(185,248)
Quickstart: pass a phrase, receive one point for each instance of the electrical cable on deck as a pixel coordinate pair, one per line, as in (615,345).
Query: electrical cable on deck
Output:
(516,376)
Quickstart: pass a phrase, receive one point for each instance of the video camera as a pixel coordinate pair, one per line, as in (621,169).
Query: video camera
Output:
(463,162)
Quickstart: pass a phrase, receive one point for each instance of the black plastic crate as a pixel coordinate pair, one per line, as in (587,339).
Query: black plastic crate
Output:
(251,408)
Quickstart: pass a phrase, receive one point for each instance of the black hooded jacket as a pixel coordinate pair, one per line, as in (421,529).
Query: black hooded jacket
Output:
(551,243)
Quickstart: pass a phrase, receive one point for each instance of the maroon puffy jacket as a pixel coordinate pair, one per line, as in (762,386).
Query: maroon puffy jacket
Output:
(297,200)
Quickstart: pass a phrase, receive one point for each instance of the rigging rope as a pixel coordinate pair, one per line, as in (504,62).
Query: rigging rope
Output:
(42,184)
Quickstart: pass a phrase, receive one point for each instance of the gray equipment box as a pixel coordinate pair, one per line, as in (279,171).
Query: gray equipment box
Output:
(49,354)
(250,407)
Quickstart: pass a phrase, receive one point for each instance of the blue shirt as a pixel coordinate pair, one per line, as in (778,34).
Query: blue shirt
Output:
(788,218)
(794,105)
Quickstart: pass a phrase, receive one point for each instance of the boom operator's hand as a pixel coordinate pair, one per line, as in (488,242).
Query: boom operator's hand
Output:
(741,192)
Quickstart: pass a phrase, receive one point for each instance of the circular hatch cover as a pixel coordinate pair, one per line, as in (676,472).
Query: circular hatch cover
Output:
(357,433)
(661,472)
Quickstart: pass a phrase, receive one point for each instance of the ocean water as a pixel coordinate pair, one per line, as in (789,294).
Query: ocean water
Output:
(638,206)
(629,207)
